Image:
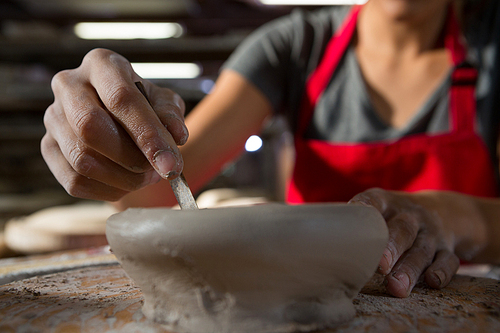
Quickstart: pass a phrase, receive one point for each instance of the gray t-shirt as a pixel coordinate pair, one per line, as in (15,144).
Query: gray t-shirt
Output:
(278,57)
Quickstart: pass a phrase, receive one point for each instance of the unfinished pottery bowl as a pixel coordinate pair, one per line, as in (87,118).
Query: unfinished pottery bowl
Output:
(264,268)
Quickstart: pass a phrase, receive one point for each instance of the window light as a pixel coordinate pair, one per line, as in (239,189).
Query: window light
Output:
(127,30)
(167,70)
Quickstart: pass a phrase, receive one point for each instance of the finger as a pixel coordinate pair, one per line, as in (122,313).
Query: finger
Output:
(403,229)
(410,266)
(91,164)
(170,109)
(116,88)
(91,123)
(377,198)
(75,184)
(442,270)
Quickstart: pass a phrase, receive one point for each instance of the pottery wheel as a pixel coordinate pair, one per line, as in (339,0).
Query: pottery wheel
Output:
(104,299)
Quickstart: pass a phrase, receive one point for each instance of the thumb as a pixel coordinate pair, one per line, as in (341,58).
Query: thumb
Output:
(375,197)
(131,109)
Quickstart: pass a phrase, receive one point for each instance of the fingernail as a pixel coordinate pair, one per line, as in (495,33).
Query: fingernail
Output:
(165,163)
(441,276)
(403,278)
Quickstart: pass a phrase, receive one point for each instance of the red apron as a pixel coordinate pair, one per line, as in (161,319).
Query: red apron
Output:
(457,160)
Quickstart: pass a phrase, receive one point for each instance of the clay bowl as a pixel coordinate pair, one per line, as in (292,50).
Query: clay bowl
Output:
(265,268)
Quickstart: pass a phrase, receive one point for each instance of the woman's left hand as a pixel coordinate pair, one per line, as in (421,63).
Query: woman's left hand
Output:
(419,244)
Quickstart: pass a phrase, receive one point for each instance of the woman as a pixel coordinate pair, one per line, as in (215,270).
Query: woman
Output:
(368,91)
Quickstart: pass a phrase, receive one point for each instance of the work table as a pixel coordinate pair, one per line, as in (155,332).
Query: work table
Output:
(87,291)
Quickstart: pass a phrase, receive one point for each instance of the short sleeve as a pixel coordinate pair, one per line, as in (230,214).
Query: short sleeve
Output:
(264,59)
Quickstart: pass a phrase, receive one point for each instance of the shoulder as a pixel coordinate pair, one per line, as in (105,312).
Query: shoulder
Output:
(302,36)
(292,42)
(302,24)
(325,18)
(278,56)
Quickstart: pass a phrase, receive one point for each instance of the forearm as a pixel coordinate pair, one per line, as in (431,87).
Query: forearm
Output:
(474,222)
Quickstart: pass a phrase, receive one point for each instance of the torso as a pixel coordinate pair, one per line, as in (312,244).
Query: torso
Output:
(398,88)
(326,171)
(402,62)
(280,56)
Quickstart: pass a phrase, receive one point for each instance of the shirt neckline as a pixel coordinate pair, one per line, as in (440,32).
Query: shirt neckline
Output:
(420,114)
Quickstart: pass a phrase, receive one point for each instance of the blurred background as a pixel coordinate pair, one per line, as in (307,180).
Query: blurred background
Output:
(41,37)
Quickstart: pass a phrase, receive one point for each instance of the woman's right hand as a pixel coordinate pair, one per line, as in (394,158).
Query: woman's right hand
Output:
(103,138)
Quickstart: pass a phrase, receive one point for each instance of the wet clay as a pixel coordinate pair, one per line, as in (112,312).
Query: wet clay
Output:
(265,268)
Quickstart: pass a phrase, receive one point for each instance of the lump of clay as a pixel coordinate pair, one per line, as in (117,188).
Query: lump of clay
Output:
(265,268)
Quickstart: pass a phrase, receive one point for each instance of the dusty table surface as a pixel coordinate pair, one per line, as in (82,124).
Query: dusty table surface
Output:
(104,299)
(18,268)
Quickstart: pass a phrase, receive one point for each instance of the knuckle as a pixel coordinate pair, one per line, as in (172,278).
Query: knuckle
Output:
(171,102)
(379,195)
(87,123)
(410,231)
(147,141)
(74,186)
(97,54)
(409,224)
(49,116)
(362,197)
(119,96)
(180,105)
(171,111)
(79,186)
(375,197)
(81,160)
(46,146)
(60,79)
(97,57)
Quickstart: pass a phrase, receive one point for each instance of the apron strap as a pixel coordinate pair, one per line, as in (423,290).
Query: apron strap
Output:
(319,79)
(462,92)
(463,79)
(463,98)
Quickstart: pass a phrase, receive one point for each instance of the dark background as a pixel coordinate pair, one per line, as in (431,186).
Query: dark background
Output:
(37,40)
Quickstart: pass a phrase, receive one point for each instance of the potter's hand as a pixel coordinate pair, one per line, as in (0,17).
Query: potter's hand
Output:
(103,138)
(418,243)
